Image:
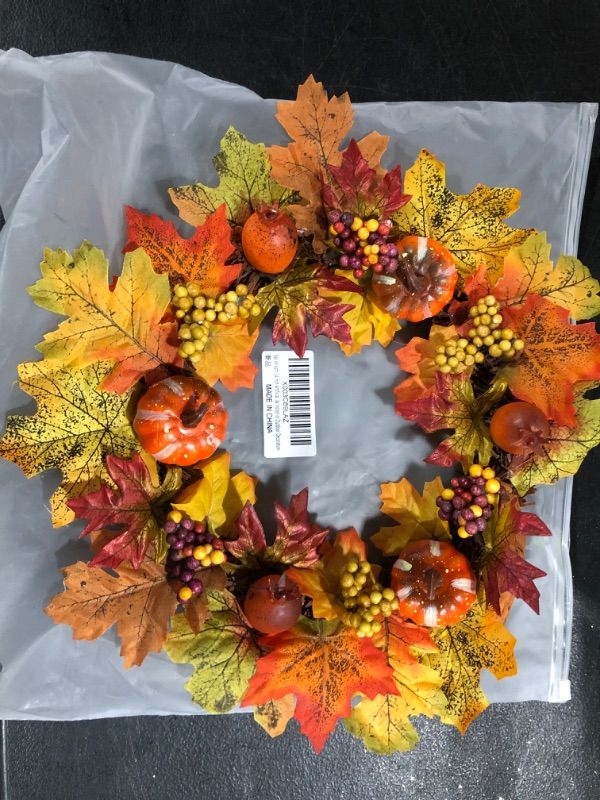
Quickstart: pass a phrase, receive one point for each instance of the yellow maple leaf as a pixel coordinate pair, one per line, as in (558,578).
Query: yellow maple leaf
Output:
(470,226)
(416,515)
(226,355)
(367,321)
(124,325)
(528,269)
(74,426)
(480,641)
(217,497)
(274,715)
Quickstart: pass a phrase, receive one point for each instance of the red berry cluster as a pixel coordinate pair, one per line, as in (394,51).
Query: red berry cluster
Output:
(363,244)
(191,548)
(469,501)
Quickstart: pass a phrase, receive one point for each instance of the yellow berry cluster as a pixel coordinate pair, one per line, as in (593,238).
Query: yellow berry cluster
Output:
(459,353)
(197,312)
(366,601)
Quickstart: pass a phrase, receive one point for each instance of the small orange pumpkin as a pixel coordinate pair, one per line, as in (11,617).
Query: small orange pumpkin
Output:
(424,283)
(434,583)
(270,239)
(180,420)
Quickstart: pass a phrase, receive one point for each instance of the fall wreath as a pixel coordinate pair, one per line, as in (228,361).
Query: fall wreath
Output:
(306,626)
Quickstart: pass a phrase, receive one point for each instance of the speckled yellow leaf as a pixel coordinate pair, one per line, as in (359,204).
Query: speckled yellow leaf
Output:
(223,654)
(226,355)
(244,181)
(217,497)
(123,324)
(470,226)
(274,715)
(528,269)
(416,515)
(74,426)
(479,642)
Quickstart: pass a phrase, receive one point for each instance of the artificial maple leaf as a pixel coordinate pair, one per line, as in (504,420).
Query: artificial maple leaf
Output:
(480,641)
(201,258)
(451,404)
(244,183)
(223,653)
(417,357)
(322,581)
(563,449)
(324,666)
(367,321)
(416,515)
(217,497)
(140,602)
(297,541)
(317,126)
(297,295)
(274,715)
(470,226)
(528,269)
(123,325)
(500,563)
(226,355)
(132,506)
(74,426)
(360,188)
(556,356)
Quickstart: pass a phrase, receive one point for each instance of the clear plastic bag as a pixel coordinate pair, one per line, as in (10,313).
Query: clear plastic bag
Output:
(83,134)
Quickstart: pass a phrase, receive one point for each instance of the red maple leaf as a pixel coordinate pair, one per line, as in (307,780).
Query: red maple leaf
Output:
(361,188)
(324,666)
(502,566)
(201,258)
(297,541)
(129,507)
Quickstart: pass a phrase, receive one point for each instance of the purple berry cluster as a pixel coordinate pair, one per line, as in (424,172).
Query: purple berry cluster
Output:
(363,244)
(470,500)
(190,548)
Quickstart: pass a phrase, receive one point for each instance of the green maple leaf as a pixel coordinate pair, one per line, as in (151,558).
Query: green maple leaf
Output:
(223,653)
(245,181)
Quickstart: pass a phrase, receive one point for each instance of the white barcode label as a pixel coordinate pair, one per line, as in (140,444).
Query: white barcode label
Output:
(288,404)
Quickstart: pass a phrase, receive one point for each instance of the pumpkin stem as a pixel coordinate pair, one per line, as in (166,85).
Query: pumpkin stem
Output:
(193,414)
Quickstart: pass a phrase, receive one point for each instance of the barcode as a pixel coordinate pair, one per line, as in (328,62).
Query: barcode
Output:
(300,405)
(288,404)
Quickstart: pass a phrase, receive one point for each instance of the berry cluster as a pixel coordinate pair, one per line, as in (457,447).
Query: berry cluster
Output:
(469,501)
(366,601)
(363,243)
(487,333)
(197,312)
(190,548)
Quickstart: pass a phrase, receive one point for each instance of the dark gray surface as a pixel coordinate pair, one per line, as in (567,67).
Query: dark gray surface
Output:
(506,50)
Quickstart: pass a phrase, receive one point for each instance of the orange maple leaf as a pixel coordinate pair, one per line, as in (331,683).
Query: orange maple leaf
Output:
(139,602)
(556,356)
(226,356)
(417,357)
(317,126)
(201,258)
(321,582)
(324,666)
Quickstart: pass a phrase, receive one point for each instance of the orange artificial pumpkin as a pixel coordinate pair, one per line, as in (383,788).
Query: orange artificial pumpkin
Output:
(270,239)
(434,583)
(424,283)
(180,420)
